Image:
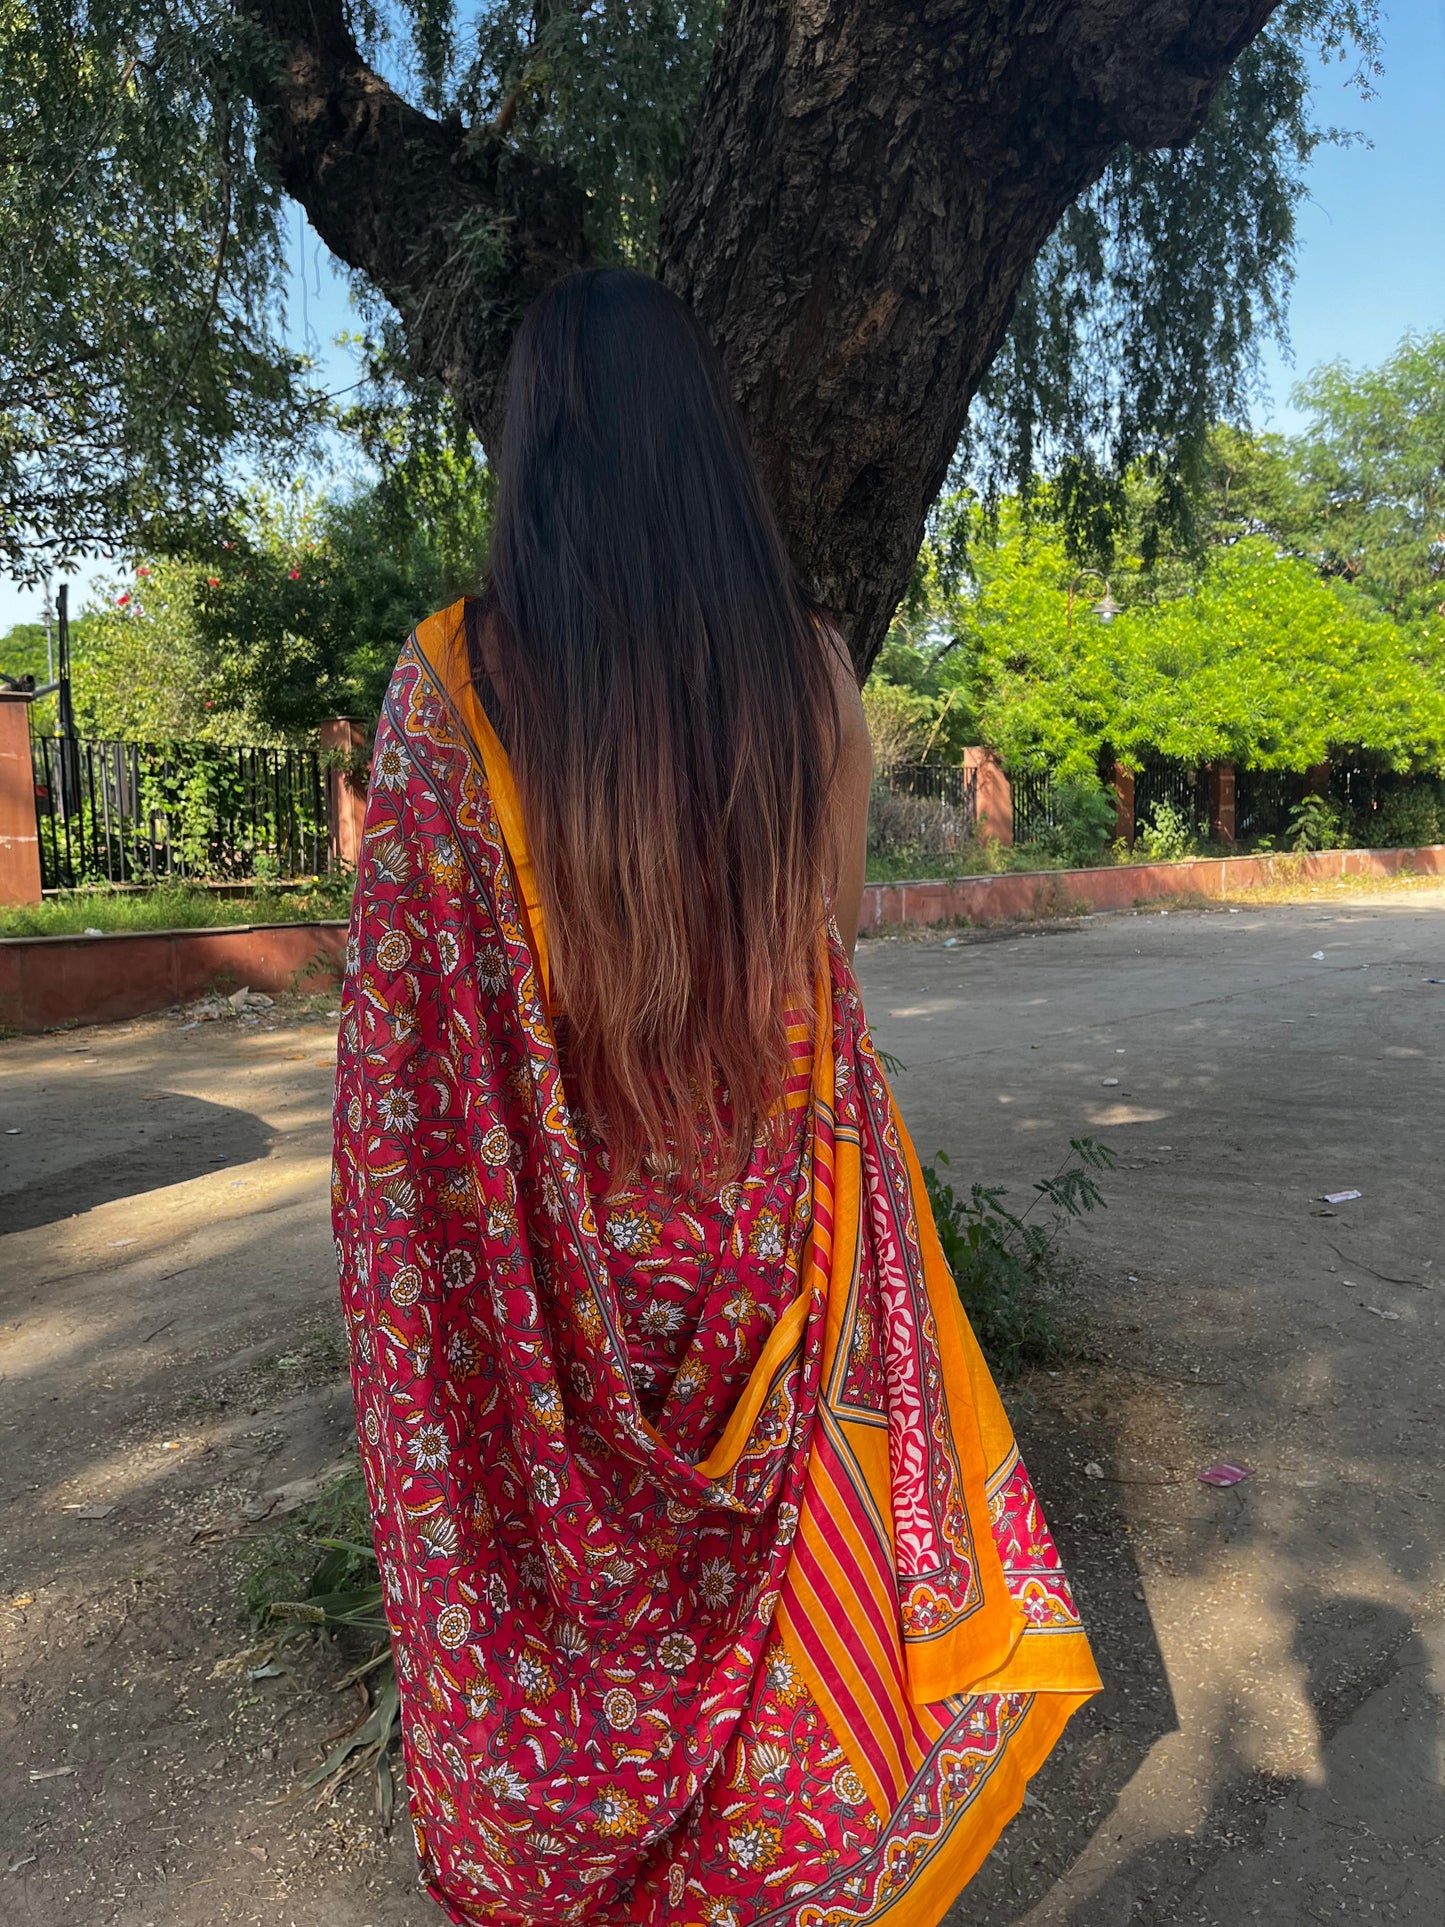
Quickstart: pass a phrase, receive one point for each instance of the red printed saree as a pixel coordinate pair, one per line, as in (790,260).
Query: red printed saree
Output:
(718,1591)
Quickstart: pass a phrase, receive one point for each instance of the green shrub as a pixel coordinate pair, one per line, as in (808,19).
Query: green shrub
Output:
(1000,1258)
(1406,819)
(1086,816)
(1168,837)
(1319,823)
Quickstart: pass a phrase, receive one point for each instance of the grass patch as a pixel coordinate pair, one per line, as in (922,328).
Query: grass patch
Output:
(176,906)
(971,860)
(280,1566)
(315,1574)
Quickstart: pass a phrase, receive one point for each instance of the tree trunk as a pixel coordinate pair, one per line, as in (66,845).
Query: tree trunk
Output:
(868,184)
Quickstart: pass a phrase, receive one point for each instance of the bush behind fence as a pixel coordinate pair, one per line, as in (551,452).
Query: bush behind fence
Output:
(128,813)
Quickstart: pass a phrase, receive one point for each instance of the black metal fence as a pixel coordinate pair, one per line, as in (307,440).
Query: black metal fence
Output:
(1265,801)
(1035,805)
(922,809)
(1177,787)
(146,813)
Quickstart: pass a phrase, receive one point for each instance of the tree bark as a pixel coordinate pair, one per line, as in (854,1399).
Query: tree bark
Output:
(868,184)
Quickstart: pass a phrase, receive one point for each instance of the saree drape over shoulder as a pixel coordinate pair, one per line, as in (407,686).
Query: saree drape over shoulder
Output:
(718,1591)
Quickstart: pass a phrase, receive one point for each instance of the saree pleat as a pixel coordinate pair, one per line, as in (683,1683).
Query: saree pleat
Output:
(718,1591)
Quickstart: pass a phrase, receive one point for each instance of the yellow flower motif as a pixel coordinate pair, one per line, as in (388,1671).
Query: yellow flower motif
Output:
(755,1845)
(618,1814)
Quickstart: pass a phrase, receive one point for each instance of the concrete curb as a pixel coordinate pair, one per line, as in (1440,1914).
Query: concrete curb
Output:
(47,981)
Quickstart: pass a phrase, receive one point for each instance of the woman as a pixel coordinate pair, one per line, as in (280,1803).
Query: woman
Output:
(717,1590)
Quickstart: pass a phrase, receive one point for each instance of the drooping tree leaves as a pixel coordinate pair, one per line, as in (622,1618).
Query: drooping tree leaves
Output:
(1140,327)
(139,346)
(154,191)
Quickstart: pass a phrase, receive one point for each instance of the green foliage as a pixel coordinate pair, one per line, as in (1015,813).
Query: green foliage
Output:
(1371,474)
(317,1572)
(1140,325)
(303,613)
(609,90)
(1168,836)
(1406,819)
(139,340)
(139,346)
(1086,815)
(1256,659)
(140,670)
(280,1566)
(1319,823)
(1000,1258)
(177,906)
(900,721)
(23,651)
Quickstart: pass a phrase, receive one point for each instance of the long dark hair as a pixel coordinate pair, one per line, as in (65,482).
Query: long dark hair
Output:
(671,717)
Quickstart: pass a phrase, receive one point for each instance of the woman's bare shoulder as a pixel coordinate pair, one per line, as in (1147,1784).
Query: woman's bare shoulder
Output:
(846,691)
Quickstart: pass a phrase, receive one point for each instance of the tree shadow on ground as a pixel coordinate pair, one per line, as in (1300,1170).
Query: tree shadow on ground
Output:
(150,1138)
(1362,1839)
(1105,1742)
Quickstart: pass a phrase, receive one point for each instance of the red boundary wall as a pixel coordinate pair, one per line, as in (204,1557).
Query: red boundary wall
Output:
(45,981)
(1042,893)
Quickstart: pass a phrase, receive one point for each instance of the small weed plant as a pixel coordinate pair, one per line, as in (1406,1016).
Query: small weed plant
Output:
(1169,836)
(294,1595)
(1000,1258)
(1318,823)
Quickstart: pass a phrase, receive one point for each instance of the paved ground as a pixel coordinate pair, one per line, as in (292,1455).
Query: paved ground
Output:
(1270,1744)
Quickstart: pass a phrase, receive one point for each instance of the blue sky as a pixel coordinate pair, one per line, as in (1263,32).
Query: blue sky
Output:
(1371,256)
(1370,264)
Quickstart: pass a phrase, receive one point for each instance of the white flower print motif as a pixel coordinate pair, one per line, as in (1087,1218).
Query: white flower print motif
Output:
(676,1652)
(428,1447)
(631,1231)
(492,967)
(716,1582)
(397,1108)
(393,950)
(503,1782)
(458,1269)
(546,1486)
(766,1239)
(389,766)
(619,1709)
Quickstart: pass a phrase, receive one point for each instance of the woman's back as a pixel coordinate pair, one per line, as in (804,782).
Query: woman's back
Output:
(718,1592)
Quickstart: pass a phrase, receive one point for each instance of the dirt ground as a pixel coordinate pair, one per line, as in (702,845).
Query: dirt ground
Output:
(1269,1744)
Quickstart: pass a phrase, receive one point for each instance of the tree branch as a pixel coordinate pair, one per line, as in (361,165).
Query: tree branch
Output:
(457,230)
(868,183)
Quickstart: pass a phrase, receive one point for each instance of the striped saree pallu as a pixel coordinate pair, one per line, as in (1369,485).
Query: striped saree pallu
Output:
(718,1592)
